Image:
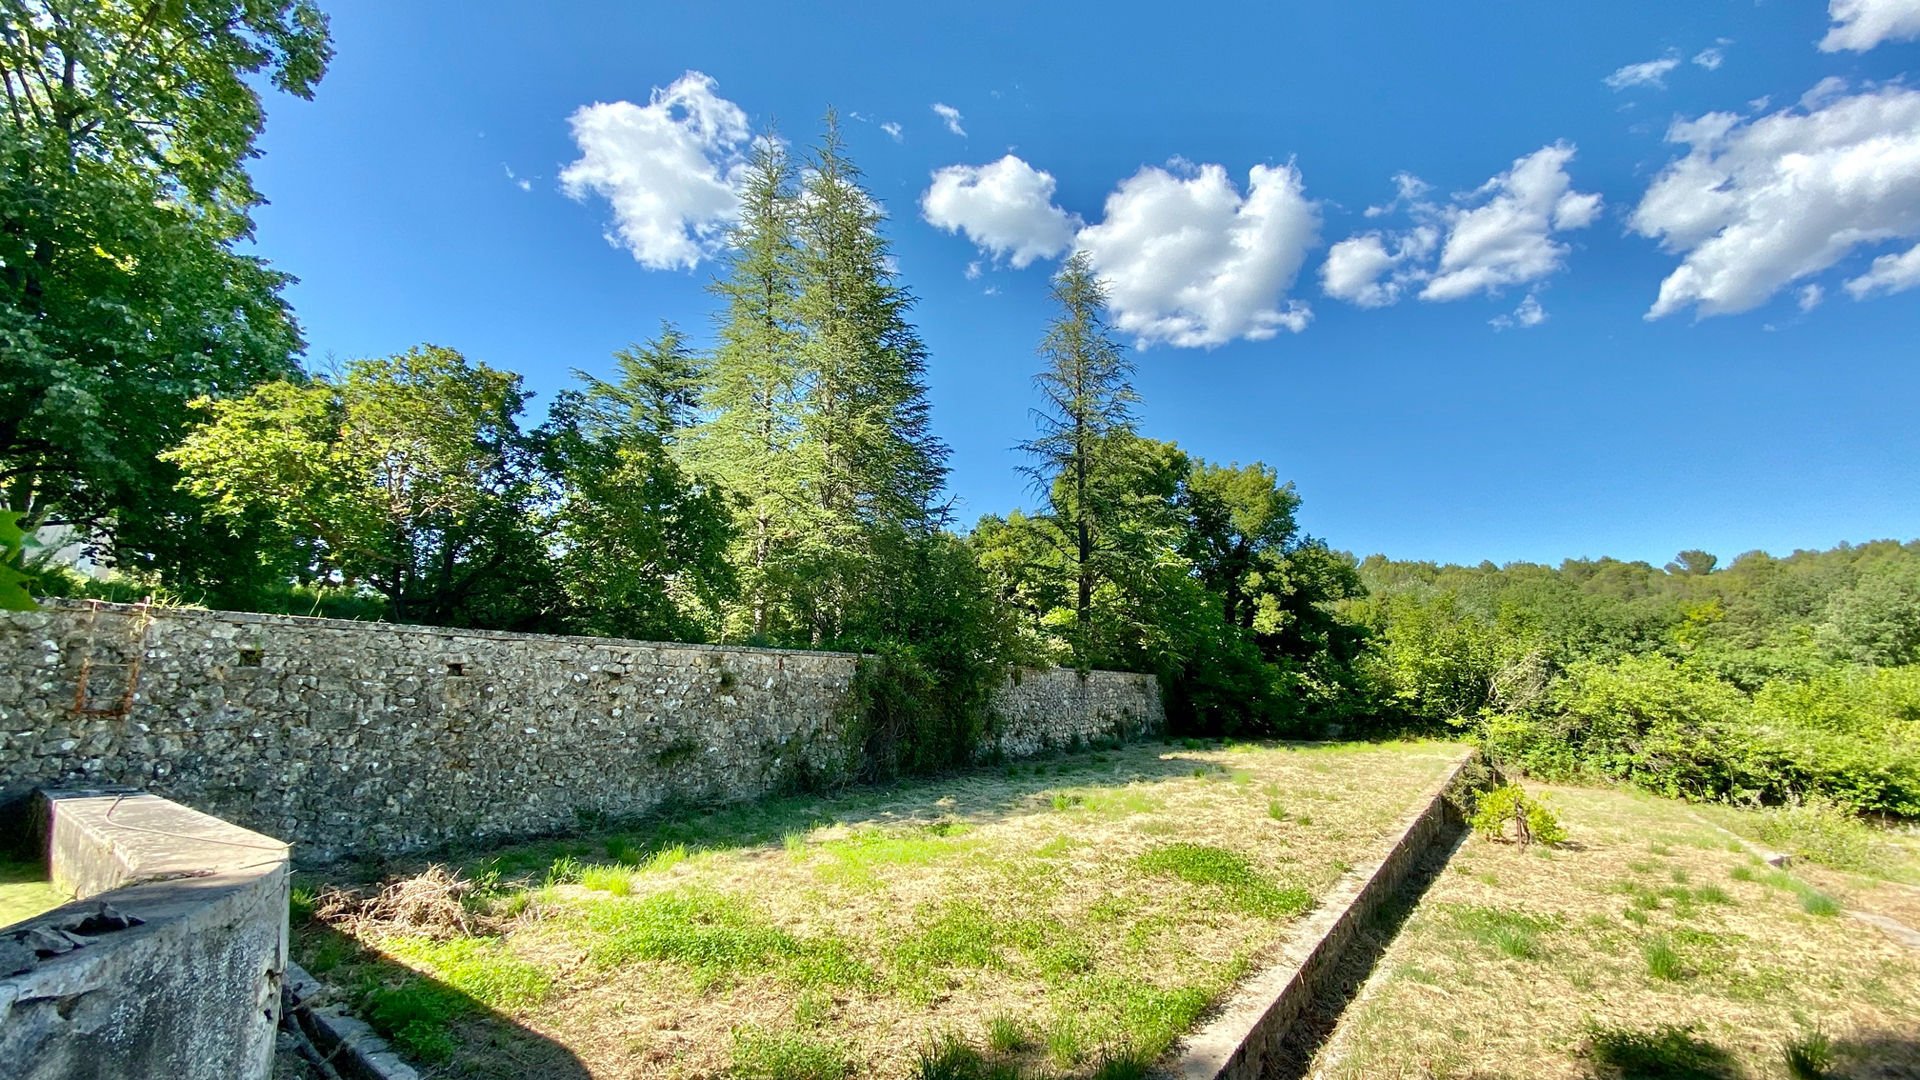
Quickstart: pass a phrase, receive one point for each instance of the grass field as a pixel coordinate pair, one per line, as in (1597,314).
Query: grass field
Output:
(1652,945)
(25,891)
(1069,917)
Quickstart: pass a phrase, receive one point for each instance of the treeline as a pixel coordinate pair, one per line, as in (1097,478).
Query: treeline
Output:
(782,482)
(1770,679)
(778,482)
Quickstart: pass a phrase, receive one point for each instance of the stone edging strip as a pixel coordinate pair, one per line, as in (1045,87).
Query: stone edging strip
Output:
(350,1045)
(1252,1026)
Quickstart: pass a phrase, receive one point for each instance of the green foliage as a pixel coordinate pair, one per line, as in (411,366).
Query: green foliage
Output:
(1509,807)
(1766,680)
(642,544)
(1667,1052)
(1237,880)
(13,575)
(409,475)
(123,199)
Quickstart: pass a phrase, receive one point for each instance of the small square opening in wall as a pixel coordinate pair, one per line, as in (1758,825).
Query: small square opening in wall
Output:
(252,657)
(456,668)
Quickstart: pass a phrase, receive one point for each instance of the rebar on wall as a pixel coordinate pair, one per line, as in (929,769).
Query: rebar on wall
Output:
(83,701)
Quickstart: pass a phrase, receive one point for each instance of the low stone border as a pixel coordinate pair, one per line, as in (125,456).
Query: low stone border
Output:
(1247,1035)
(349,1044)
(166,966)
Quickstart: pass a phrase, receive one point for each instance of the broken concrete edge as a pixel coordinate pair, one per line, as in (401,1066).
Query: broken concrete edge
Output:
(188,988)
(350,1045)
(1250,1029)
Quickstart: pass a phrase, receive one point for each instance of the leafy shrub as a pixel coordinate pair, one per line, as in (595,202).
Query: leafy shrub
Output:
(1509,806)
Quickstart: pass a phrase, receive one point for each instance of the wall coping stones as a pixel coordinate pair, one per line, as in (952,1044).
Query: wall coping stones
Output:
(379,626)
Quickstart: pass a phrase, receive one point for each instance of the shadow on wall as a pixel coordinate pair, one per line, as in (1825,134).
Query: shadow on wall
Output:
(445,1029)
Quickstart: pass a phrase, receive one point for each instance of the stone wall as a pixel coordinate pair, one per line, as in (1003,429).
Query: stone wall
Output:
(354,737)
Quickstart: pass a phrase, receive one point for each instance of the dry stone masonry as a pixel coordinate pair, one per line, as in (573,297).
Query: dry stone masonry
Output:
(366,738)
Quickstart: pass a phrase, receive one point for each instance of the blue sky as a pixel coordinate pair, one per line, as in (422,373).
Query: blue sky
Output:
(1512,401)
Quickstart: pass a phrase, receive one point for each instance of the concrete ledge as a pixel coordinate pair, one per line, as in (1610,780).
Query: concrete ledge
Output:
(167,966)
(1248,1033)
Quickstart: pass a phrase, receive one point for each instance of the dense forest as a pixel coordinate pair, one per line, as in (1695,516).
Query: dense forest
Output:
(777,478)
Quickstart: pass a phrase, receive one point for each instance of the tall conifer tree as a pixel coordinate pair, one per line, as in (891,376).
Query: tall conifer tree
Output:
(1083,454)
(750,442)
(875,462)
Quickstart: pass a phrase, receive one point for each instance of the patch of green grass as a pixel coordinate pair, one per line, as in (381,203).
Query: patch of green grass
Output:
(1712,894)
(1667,1052)
(1005,1035)
(615,878)
(1815,902)
(948,1057)
(1066,1043)
(414,1013)
(960,934)
(716,936)
(1123,1064)
(787,1055)
(480,968)
(858,858)
(1238,881)
(1808,1056)
(1513,934)
(1057,846)
(664,859)
(1659,848)
(1664,962)
(1275,810)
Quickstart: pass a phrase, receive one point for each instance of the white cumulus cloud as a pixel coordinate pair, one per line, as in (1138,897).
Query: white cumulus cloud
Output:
(1711,57)
(951,116)
(1646,73)
(1187,258)
(1888,274)
(1760,203)
(666,168)
(1507,239)
(1528,314)
(1859,25)
(1006,208)
(1501,234)
(892,129)
(1190,261)
(1363,270)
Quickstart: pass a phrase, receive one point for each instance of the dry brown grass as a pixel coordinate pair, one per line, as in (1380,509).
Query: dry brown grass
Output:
(1455,996)
(935,908)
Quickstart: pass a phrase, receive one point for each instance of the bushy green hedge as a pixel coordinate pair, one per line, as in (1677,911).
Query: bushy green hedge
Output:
(1852,735)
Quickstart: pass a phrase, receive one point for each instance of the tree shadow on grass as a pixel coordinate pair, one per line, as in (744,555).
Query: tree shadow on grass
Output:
(1678,1052)
(442,1030)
